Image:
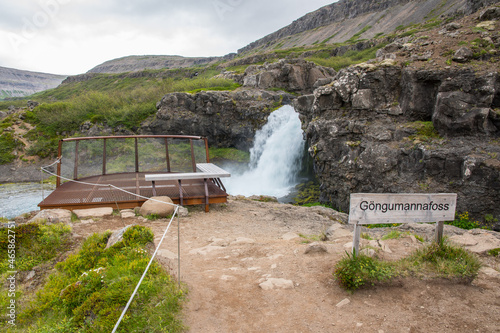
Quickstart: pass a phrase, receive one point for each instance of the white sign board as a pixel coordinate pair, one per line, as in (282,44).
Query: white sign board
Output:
(374,208)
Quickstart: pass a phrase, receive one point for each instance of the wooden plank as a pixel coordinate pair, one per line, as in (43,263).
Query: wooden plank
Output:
(376,208)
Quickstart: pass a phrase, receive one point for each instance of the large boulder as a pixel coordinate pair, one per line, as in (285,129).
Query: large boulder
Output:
(161,206)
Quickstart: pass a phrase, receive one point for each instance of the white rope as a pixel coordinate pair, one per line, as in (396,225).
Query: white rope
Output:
(144,274)
(157,248)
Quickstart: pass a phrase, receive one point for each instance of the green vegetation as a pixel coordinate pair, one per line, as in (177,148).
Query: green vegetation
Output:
(349,58)
(464,221)
(356,270)
(229,154)
(442,260)
(425,131)
(322,237)
(494,252)
(356,36)
(7,146)
(116,100)
(35,243)
(88,291)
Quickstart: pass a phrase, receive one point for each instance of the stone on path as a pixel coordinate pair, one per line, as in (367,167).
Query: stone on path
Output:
(53,216)
(477,241)
(127,213)
(344,302)
(153,207)
(93,212)
(289,236)
(275,283)
(316,248)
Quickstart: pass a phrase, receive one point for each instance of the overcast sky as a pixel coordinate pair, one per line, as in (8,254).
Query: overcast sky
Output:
(73,36)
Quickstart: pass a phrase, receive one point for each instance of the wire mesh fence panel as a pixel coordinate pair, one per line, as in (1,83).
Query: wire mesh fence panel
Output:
(120,155)
(152,155)
(90,158)
(67,162)
(180,155)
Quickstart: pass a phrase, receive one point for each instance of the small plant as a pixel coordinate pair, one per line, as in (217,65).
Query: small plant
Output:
(464,221)
(153,217)
(445,260)
(366,236)
(494,252)
(393,234)
(356,270)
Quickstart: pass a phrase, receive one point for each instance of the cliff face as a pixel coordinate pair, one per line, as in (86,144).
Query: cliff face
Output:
(18,83)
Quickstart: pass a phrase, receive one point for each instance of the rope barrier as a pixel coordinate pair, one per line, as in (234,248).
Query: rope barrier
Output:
(176,212)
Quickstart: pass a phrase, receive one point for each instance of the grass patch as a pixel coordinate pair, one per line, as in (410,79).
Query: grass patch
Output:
(33,243)
(322,237)
(349,58)
(228,154)
(434,260)
(425,130)
(88,291)
(7,146)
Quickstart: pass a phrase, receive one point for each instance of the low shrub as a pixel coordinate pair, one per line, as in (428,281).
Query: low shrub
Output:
(356,270)
(434,260)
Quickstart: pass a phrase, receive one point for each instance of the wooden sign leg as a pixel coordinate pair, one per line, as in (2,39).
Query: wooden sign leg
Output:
(355,240)
(439,231)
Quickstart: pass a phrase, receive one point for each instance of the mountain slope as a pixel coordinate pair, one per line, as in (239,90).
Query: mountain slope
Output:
(19,83)
(358,19)
(138,63)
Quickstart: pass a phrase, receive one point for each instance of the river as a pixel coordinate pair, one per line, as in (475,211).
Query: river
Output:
(20,198)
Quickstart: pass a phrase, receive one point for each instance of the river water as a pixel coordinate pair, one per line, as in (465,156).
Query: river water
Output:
(275,159)
(20,198)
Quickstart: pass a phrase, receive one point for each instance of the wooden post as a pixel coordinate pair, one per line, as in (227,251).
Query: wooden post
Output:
(136,156)
(193,159)
(439,231)
(167,156)
(207,150)
(104,157)
(75,167)
(355,240)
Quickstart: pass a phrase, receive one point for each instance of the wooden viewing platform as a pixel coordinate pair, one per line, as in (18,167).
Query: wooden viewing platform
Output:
(172,164)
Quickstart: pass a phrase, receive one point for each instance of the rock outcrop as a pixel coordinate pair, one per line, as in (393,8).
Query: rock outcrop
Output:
(227,119)
(392,129)
(293,75)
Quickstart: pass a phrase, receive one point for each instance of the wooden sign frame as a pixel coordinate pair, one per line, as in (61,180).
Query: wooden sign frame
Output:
(377,208)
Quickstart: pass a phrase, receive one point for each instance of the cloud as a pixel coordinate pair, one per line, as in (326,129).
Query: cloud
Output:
(72,36)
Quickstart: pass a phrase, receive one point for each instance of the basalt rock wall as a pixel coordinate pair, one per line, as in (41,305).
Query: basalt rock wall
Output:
(391,129)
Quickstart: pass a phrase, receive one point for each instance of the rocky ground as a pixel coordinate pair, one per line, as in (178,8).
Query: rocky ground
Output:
(255,266)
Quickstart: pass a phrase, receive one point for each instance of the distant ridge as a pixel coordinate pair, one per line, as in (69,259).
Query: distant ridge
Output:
(20,83)
(139,63)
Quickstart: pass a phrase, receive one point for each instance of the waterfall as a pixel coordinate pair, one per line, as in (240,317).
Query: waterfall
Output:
(275,159)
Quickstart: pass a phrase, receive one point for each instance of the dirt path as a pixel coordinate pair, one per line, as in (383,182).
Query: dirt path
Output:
(228,253)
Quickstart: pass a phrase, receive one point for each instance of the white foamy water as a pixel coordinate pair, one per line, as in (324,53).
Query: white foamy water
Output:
(275,158)
(20,198)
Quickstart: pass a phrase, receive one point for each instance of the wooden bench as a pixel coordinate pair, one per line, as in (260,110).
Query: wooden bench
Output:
(206,171)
